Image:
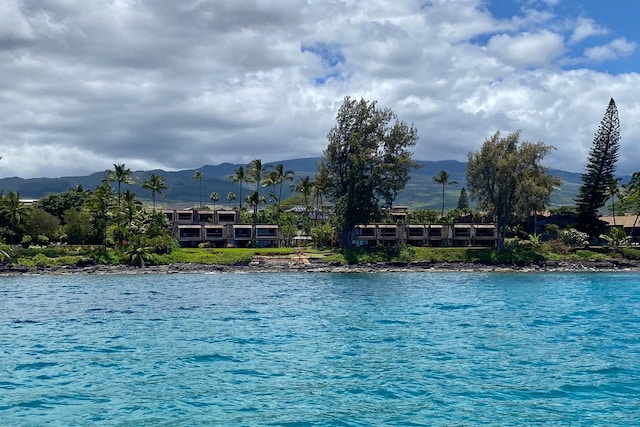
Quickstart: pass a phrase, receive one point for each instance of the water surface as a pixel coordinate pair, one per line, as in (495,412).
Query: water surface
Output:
(321,349)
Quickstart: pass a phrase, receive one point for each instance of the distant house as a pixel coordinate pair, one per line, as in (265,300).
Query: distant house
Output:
(629,223)
(218,228)
(371,235)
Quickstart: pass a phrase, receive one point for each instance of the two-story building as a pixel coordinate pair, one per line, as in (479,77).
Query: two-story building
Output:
(219,228)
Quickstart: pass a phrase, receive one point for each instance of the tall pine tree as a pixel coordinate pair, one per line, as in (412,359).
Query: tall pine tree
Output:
(600,171)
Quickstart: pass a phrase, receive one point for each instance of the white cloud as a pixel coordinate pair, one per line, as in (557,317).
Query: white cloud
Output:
(526,49)
(179,85)
(586,28)
(14,26)
(616,49)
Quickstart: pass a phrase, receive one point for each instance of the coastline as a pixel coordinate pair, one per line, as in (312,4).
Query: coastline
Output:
(265,265)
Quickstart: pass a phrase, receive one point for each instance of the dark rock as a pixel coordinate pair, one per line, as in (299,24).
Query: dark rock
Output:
(85,262)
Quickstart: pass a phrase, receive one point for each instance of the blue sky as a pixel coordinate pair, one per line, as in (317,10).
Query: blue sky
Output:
(610,20)
(177,85)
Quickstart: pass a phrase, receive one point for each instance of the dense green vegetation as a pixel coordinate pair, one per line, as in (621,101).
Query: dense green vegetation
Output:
(507,178)
(366,165)
(513,255)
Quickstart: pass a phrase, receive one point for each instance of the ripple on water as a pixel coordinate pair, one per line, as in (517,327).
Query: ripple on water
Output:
(321,349)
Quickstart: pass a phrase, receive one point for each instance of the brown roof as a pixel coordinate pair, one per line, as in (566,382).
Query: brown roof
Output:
(625,221)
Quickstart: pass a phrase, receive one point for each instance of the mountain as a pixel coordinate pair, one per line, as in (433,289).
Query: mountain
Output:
(420,192)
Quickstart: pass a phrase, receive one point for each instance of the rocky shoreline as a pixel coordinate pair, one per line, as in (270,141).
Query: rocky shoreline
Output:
(278,265)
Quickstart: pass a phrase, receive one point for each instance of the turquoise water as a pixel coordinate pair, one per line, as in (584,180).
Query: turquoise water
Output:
(321,349)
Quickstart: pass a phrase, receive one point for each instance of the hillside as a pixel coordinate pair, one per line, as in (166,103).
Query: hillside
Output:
(420,192)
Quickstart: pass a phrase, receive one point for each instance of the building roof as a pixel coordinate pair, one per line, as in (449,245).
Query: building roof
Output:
(625,221)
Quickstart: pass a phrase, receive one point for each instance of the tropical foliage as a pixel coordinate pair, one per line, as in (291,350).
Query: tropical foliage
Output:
(367,162)
(508,179)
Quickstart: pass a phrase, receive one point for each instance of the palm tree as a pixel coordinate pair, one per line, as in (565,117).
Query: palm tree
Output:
(613,190)
(443,178)
(231,196)
(4,250)
(101,204)
(199,175)
(14,211)
(319,189)
(131,207)
(254,200)
(156,184)
(239,175)
(303,186)
(271,180)
(120,175)
(214,198)
(281,176)
(255,173)
(137,253)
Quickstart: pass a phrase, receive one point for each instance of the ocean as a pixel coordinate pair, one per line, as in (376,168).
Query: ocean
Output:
(316,349)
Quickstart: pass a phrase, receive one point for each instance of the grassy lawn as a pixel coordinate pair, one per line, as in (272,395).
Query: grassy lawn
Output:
(221,256)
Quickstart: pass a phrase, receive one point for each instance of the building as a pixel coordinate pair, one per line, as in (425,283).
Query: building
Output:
(462,235)
(629,223)
(222,228)
(219,228)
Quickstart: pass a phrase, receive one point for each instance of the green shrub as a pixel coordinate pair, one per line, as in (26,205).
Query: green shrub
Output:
(5,252)
(556,246)
(41,260)
(629,253)
(586,254)
(26,241)
(574,238)
(42,240)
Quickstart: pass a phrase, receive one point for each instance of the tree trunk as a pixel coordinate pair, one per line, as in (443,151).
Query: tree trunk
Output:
(502,232)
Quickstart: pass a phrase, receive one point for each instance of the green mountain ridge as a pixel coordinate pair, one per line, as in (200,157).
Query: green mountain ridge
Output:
(420,192)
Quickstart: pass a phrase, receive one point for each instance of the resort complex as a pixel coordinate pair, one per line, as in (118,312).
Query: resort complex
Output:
(221,228)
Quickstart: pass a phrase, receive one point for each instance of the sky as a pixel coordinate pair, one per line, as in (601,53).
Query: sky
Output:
(174,85)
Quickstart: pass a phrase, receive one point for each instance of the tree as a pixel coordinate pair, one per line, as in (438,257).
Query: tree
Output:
(613,190)
(58,203)
(14,211)
(77,226)
(508,180)
(271,180)
(121,175)
(320,188)
(43,223)
(255,173)
(239,176)
(214,198)
(101,204)
(231,196)
(254,200)
(367,162)
(198,175)
(137,253)
(130,213)
(600,171)
(463,200)
(157,185)
(631,198)
(303,186)
(282,176)
(443,178)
